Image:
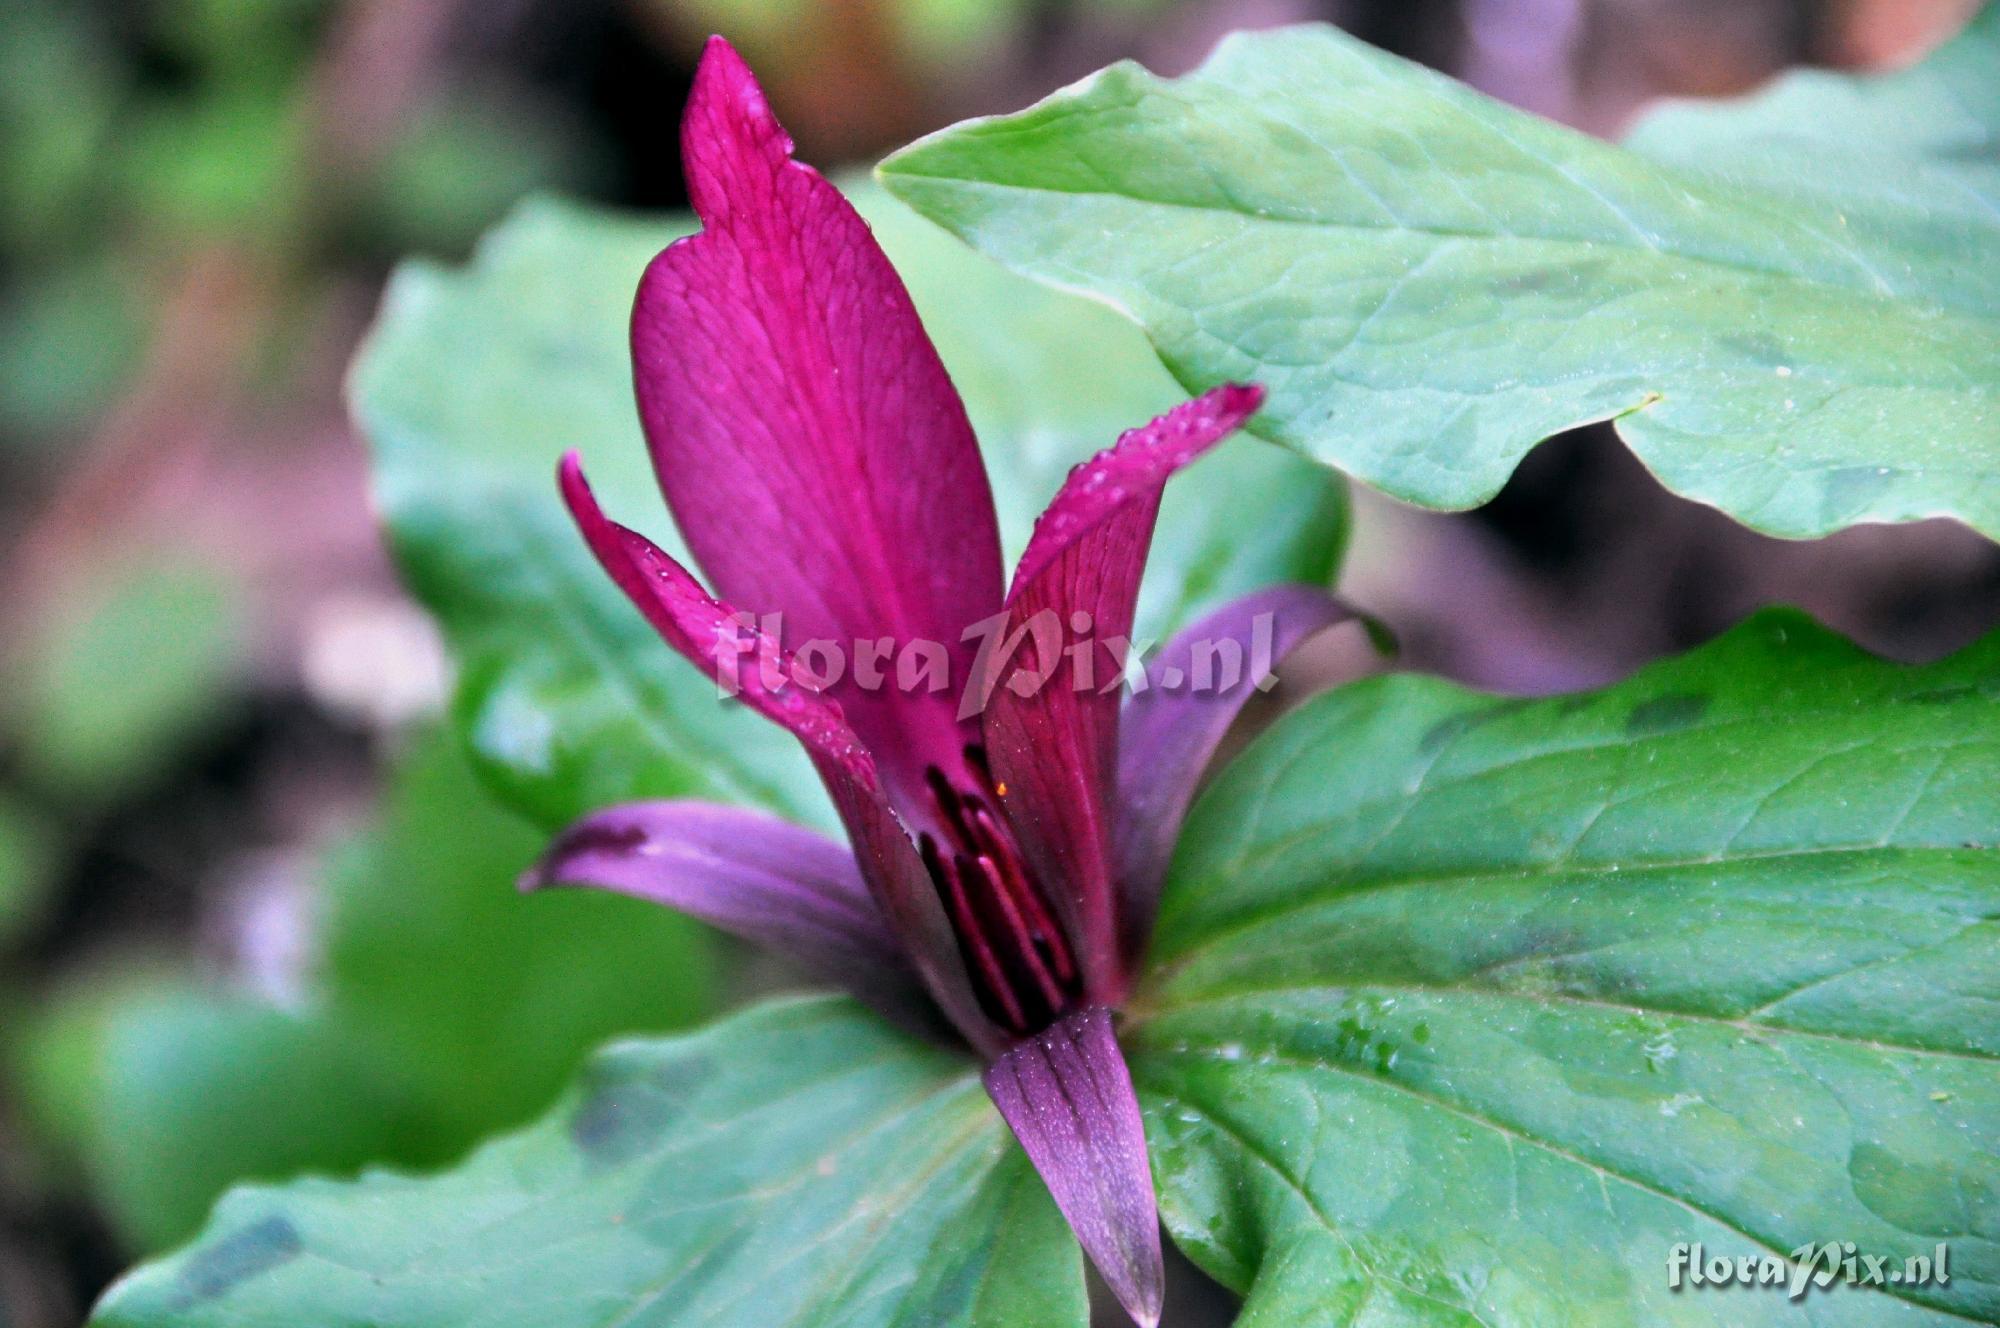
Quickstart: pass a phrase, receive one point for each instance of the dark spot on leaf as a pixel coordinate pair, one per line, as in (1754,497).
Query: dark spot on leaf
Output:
(1535,279)
(670,1233)
(213,1269)
(1904,1191)
(624,1110)
(1757,347)
(1442,732)
(1452,726)
(950,1299)
(1665,714)
(1943,695)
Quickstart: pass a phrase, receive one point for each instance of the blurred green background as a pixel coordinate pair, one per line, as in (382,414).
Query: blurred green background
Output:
(255,915)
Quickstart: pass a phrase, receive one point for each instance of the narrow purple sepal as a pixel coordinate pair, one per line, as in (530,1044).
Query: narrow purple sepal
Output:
(768,881)
(1068,1097)
(1168,732)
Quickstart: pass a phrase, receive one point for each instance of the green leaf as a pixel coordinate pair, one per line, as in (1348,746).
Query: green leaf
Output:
(1789,306)
(444,1006)
(477,380)
(89,722)
(165,1091)
(485,1001)
(1466,1010)
(29,853)
(1048,380)
(798,1164)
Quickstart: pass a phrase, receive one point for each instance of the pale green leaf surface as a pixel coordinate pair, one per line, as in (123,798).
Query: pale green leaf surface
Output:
(477,380)
(1462,1011)
(164,1091)
(1430,282)
(797,1165)
(440,1006)
(1466,1010)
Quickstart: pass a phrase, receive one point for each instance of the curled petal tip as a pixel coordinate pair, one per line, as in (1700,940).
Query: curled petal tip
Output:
(1228,407)
(1246,398)
(720,58)
(1068,1098)
(569,477)
(722,68)
(731,143)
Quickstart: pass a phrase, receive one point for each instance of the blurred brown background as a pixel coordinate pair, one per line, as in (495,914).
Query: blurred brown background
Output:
(204,653)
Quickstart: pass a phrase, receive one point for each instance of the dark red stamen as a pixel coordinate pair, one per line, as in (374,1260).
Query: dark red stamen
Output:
(990,979)
(1024,943)
(998,847)
(1022,967)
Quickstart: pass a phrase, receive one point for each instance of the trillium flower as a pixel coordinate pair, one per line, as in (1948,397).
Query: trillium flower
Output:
(1007,841)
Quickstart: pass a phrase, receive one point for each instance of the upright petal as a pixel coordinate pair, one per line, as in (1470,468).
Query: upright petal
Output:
(1168,732)
(701,628)
(761,878)
(1054,750)
(816,456)
(1068,1097)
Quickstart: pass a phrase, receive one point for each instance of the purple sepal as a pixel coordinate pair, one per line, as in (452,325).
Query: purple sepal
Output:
(1068,1097)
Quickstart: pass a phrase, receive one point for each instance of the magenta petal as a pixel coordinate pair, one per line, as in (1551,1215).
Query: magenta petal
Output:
(1055,750)
(701,626)
(1129,474)
(763,879)
(1068,1097)
(1168,732)
(814,453)
(696,624)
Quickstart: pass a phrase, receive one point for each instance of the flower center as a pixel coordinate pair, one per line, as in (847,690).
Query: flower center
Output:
(1021,966)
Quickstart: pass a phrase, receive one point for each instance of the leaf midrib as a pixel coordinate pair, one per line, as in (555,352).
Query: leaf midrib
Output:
(1170,1006)
(1332,893)
(1871,302)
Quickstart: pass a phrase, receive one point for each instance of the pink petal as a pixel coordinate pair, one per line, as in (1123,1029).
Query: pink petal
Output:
(813,451)
(698,625)
(1055,750)
(1169,731)
(761,878)
(701,628)
(1068,1097)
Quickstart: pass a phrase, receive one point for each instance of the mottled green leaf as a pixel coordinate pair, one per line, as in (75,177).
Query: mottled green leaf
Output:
(799,1164)
(165,1091)
(1465,1011)
(477,380)
(1790,306)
